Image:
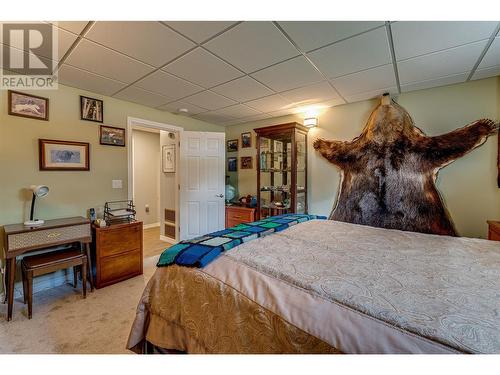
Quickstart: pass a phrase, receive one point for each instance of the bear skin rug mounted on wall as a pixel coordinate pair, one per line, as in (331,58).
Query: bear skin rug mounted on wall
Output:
(389,171)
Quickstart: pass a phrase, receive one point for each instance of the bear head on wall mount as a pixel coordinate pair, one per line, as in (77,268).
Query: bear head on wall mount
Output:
(389,171)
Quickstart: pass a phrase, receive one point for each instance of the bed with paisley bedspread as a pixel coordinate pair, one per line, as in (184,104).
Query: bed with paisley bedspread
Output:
(324,286)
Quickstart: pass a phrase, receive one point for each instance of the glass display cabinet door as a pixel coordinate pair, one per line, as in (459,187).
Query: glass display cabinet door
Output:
(301,174)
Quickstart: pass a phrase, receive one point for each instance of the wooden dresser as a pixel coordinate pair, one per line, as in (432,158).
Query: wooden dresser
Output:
(494,230)
(118,252)
(239,214)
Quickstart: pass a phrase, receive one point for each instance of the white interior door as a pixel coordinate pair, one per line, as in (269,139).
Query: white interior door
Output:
(202,162)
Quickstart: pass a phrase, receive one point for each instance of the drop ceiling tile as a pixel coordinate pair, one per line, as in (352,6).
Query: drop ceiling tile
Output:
(137,95)
(243,89)
(310,94)
(492,56)
(269,103)
(487,72)
(147,41)
(202,68)
(260,116)
(313,34)
(103,61)
(166,84)
(415,38)
(366,80)
(75,27)
(213,117)
(175,106)
(64,41)
(371,94)
(283,112)
(199,31)
(209,100)
(439,64)
(237,111)
(441,81)
(288,75)
(252,46)
(361,52)
(84,80)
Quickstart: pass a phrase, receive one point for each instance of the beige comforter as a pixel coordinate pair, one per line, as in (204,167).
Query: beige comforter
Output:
(326,286)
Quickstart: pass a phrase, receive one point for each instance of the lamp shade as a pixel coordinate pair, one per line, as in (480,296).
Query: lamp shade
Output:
(40,190)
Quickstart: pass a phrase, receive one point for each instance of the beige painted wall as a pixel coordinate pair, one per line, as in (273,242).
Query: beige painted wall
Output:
(146,175)
(468,185)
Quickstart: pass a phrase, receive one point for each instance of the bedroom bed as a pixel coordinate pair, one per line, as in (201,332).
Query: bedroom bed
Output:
(329,287)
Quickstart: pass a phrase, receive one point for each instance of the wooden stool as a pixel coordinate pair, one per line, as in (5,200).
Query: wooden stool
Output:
(41,264)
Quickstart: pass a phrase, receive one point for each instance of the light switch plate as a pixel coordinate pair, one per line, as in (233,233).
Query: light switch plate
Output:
(117,184)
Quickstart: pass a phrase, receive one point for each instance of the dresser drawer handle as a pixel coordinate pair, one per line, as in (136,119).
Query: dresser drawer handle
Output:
(53,235)
(237,217)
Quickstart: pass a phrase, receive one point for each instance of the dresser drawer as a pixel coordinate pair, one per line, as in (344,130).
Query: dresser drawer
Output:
(48,237)
(240,215)
(118,268)
(120,240)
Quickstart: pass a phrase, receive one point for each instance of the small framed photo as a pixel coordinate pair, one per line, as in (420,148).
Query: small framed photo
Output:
(264,143)
(232,164)
(27,105)
(168,158)
(63,155)
(232,145)
(246,162)
(91,109)
(111,136)
(246,140)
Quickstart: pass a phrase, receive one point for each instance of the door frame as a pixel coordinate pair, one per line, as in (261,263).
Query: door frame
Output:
(133,122)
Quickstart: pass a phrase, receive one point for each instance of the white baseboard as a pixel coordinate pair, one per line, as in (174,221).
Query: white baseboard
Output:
(168,239)
(154,225)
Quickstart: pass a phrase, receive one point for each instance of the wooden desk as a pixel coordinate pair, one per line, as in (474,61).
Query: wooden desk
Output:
(20,239)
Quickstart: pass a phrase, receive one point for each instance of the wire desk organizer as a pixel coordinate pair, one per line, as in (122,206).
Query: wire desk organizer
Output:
(119,212)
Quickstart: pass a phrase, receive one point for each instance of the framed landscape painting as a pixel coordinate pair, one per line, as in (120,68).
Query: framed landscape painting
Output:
(27,105)
(111,136)
(91,109)
(63,155)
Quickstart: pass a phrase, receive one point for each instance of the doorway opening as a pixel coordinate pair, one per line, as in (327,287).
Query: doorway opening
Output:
(153,181)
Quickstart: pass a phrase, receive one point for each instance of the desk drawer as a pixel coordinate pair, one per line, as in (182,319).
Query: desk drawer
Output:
(47,237)
(118,268)
(120,240)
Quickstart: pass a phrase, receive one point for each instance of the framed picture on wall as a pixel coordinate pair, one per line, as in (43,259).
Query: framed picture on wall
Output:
(232,145)
(232,164)
(246,140)
(111,136)
(63,155)
(246,162)
(91,109)
(168,158)
(27,105)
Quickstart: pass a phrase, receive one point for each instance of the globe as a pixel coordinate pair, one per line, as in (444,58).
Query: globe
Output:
(230,193)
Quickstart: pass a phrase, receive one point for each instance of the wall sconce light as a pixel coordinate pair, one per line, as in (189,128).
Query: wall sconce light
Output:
(311,122)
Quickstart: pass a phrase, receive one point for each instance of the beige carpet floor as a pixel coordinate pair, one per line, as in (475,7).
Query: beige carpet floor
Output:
(64,322)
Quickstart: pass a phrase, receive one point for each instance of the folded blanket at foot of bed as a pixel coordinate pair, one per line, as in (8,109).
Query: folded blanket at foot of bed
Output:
(200,251)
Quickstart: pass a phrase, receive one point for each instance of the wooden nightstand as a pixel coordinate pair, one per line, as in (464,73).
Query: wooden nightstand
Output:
(118,252)
(239,214)
(494,230)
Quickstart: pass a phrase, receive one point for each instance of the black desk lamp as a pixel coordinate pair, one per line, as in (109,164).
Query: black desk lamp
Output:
(38,191)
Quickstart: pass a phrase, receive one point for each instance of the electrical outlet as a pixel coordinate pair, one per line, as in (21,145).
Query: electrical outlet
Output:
(147,208)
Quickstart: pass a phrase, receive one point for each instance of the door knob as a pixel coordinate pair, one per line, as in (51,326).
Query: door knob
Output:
(220,195)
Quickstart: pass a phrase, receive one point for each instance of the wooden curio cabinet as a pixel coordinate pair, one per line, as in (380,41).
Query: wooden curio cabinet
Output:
(281,169)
